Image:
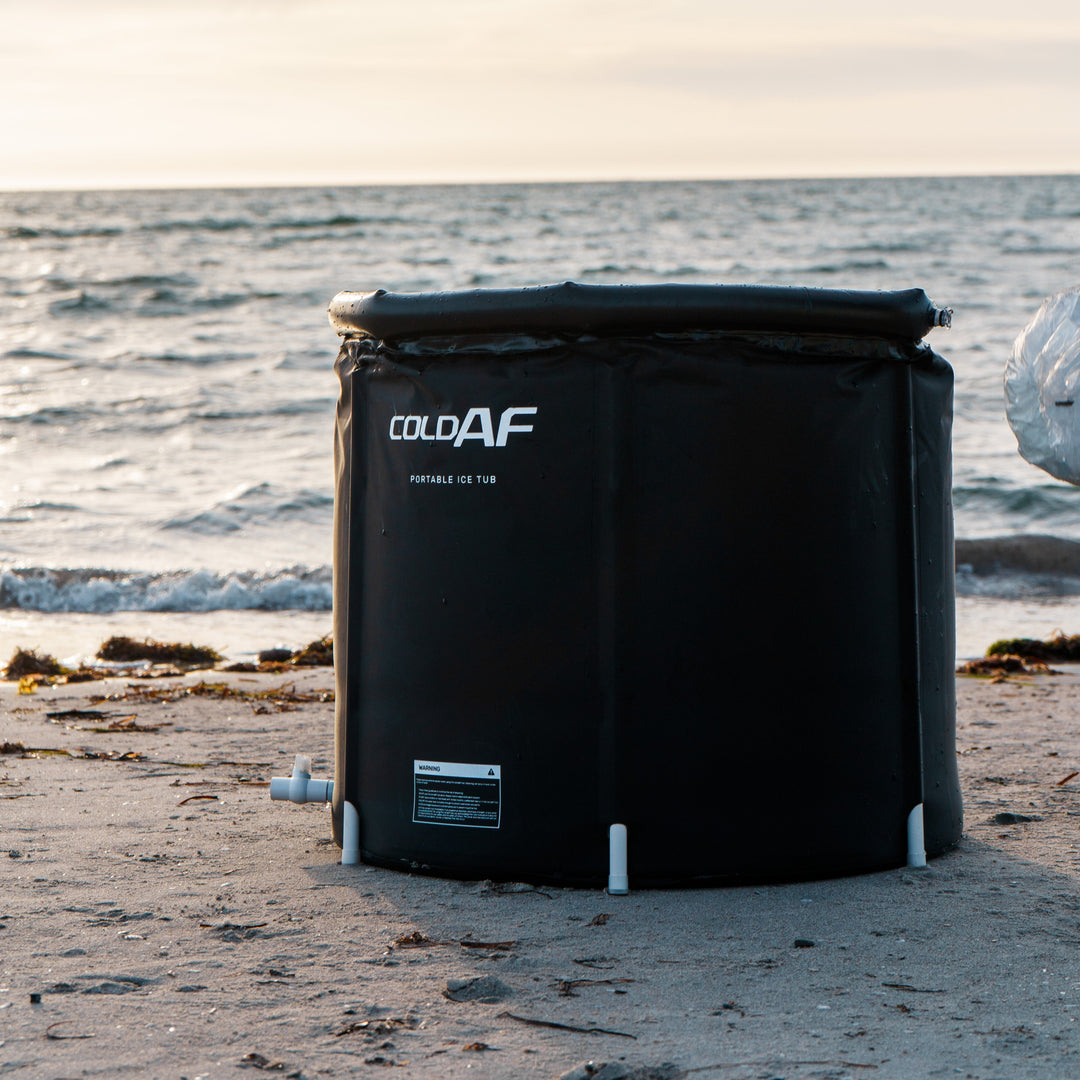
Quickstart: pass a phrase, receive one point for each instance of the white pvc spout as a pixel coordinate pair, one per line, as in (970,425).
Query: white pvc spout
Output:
(350,835)
(300,788)
(916,841)
(618,882)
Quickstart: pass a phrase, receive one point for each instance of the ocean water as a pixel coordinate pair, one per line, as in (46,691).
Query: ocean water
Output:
(167,393)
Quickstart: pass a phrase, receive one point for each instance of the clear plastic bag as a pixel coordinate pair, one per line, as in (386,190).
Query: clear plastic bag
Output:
(1042,387)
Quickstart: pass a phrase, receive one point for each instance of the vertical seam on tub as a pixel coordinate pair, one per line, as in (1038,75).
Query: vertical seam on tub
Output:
(913,766)
(358,485)
(609,426)
(343,453)
(605,570)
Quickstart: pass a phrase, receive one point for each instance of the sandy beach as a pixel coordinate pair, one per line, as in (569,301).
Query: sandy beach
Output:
(160,917)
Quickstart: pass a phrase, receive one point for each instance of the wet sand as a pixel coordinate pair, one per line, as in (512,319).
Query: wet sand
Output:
(176,923)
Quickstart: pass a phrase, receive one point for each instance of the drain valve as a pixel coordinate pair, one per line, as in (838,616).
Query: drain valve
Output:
(300,788)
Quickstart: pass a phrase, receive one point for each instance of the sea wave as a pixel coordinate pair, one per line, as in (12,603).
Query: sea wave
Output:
(208,224)
(155,301)
(203,224)
(33,354)
(26,511)
(1028,504)
(259,504)
(103,591)
(311,406)
(895,247)
(24,232)
(846,266)
(1016,567)
(217,225)
(52,414)
(338,221)
(1020,554)
(148,281)
(179,357)
(81,301)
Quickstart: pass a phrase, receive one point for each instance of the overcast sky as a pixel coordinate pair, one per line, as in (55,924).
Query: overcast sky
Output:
(162,92)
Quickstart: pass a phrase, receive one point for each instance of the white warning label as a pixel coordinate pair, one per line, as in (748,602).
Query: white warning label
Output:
(454,793)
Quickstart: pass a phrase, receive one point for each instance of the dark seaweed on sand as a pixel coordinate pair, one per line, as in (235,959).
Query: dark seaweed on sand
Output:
(278,661)
(318,654)
(280,696)
(27,662)
(1000,667)
(275,656)
(126,650)
(1059,647)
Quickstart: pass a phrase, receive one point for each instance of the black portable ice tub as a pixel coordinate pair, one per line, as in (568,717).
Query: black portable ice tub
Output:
(675,558)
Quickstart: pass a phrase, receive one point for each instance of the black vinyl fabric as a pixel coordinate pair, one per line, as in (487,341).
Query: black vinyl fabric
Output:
(700,583)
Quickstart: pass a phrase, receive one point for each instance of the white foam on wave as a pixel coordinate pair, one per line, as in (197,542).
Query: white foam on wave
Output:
(104,591)
(1005,585)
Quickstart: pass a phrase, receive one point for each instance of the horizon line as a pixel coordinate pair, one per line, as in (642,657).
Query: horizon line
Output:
(284,184)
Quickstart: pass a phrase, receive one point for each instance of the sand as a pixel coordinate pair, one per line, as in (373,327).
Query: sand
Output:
(176,923)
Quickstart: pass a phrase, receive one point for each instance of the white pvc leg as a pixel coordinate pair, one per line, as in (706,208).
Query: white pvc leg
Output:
(618,882)
(916,842)
(350,835)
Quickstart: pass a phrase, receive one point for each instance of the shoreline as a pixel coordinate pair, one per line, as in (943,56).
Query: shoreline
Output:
(175,922)
(241,635)
(238,635)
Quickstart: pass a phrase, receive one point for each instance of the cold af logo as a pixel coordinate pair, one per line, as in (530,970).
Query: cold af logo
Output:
(477,426)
